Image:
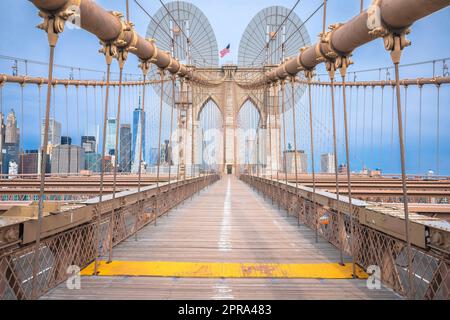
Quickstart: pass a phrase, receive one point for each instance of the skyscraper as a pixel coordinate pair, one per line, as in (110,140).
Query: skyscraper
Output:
(66,140)
(125,148)
(137,118)
(302,161)
(153,159)
(93,161)
(111,129)
(29,162)
(11,130)
(89,144)
(54,134)
(67,159)
(327,163)
(11,142)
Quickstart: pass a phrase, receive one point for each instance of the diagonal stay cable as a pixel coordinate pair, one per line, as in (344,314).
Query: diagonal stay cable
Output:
(156,22)
(181,29)
(276,32)
(298,28)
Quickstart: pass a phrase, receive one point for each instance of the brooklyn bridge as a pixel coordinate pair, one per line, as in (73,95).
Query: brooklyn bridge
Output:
(309,167)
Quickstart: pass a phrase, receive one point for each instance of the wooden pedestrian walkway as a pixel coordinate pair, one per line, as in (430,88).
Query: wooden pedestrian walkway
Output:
(226,243)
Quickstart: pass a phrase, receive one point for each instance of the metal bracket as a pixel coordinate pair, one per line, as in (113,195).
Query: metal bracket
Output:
(396,43)
(54,22)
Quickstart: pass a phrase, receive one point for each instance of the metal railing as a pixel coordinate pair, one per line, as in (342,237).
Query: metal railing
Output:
(431,268)
(77,247)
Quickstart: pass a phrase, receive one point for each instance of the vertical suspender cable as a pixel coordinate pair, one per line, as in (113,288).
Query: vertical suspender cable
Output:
(144,66)
(278,125)
(193,169)
(67,109)
(158,168)
(87,112)
(116,162)
(381,127)
(406,116)
(392,122)
(22,132)
(283,110)
(294,126)
(169,146)
(103,163)
(179,136)
(309,74)
(438,129)
(78,111)
(336,173)
(186,126)
(372,123)
(52,39)
(356,121)
(420,129)
(395,55)
(364,131)
(269,108)
(349,181)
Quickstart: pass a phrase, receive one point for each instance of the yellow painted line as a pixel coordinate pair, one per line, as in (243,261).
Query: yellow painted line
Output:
(224,270)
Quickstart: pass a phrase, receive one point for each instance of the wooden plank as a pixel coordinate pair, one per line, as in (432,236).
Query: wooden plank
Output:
(227,223)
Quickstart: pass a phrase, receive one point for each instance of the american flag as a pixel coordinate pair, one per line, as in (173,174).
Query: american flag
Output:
(225,51)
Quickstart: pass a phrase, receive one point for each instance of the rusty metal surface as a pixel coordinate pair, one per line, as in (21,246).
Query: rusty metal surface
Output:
(228,222)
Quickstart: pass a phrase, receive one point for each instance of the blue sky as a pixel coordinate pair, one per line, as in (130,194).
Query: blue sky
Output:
(229,19)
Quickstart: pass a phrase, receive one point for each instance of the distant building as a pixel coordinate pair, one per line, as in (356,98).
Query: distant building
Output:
(29,162)
(342,169)
(327,164)
(302,161)
(137,133)
(66,140)
(111,129)
(153,159)
(109,163)
(93,162)
(67,159)
(11,142)
(125,148)
(89,144)
(375,173)
(54,134)
(11,130)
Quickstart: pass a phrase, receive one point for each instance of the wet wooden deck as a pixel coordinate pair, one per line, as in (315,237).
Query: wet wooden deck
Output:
(228,222)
